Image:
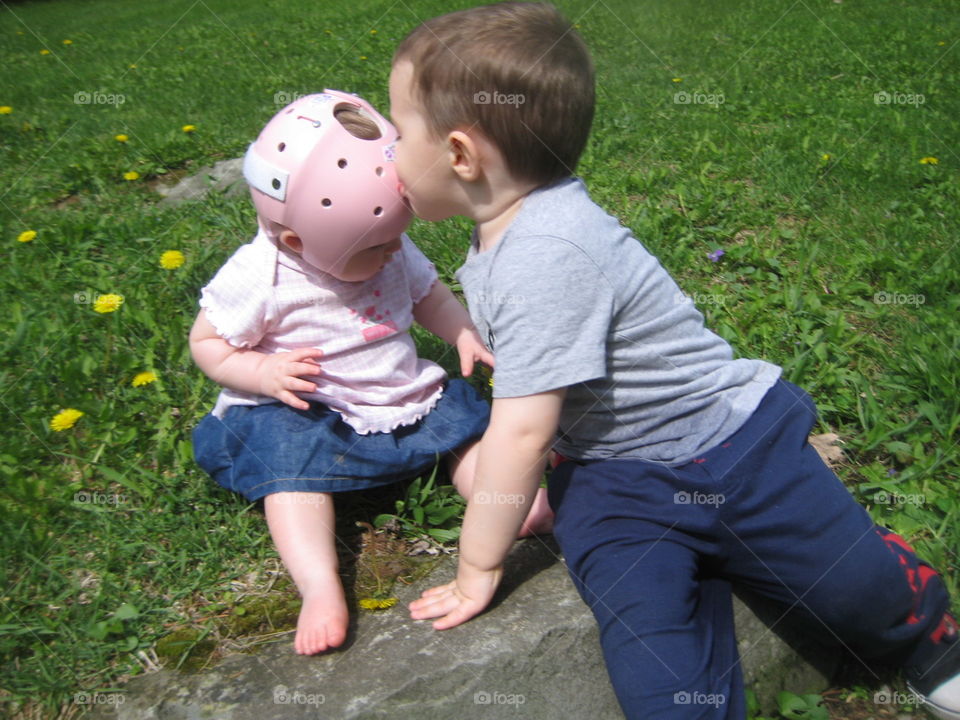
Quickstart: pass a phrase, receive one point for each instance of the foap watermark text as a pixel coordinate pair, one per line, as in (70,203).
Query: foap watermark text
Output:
(282,695)
(698,98)
(484,697)
(698,498)
(495,97)
(699,698)
(898,98)
(85,97)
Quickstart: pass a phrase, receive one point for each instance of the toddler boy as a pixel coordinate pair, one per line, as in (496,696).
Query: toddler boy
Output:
(682,469)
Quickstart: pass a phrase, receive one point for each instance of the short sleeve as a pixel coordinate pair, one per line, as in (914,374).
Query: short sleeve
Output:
(549,308)
(421,273)
(238,300)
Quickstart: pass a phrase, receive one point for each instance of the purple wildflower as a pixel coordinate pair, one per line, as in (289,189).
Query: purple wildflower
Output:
(716,255)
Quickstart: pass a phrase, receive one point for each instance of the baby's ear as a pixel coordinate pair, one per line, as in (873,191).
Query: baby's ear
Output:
(292,241)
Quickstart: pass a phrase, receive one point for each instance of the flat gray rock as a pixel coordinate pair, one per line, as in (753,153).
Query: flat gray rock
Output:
(534,654)
(225,176)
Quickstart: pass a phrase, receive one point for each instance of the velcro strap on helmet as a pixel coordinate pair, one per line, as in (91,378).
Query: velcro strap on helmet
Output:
(265,176)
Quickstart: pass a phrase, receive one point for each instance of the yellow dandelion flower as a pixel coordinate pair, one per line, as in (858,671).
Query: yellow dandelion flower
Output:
(189,128)
(26,236)
(929,160)
(363,57)
(373,32)
(132,67)
(171,259)
(377,604)
(65,419)
(144,378)
(132,175)
(44,52)
(5,109)
(68,42)
(107,303)
(120,138)
(678,79)
(826,157)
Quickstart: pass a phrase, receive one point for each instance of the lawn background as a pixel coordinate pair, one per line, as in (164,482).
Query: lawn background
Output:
(815,143)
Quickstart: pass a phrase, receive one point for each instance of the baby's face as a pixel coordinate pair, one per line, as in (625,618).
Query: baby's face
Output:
(422,161)
(366,263)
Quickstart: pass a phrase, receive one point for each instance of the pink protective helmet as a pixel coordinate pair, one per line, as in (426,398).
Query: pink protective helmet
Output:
(338,192)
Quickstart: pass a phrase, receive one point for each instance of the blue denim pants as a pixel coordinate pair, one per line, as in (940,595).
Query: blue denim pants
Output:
(653,551)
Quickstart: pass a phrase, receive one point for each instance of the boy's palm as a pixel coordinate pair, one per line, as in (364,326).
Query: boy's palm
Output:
(458,601)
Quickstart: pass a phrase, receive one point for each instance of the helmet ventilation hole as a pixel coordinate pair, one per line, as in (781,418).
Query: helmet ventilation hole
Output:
(379,171)
(326,202)
(281,147)
(341,163)
(276,183)
(378,211)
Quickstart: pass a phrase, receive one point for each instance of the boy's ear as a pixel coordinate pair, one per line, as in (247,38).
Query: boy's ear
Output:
(291,240)
(464,155)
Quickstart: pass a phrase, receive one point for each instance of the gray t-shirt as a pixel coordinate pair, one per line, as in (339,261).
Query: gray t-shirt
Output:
(569,298)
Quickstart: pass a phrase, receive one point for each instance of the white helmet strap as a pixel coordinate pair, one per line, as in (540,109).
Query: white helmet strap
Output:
(264,175)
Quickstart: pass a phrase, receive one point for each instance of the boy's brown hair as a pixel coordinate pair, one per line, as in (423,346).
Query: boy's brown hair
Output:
(518,72)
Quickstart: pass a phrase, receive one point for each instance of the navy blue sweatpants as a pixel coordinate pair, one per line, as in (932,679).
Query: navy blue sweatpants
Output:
(653,550)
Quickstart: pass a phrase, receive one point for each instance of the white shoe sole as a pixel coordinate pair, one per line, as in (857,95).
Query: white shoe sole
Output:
(934,709)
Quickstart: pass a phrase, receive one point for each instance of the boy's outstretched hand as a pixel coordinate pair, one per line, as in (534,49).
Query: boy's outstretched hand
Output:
(459,600)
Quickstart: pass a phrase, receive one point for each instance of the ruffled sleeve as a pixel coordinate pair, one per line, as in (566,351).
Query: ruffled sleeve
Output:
(239,300)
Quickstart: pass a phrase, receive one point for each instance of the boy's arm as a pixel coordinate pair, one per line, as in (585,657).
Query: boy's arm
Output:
(512,456)
(275,375)
(442,314)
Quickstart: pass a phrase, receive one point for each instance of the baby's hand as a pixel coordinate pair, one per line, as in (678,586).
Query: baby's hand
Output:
(460,600)
(280,375)
(471,349)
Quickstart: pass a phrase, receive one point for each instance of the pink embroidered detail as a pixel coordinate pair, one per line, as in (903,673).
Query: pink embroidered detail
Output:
(375,332)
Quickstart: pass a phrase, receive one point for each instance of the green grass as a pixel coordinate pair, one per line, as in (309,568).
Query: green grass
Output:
(112,537)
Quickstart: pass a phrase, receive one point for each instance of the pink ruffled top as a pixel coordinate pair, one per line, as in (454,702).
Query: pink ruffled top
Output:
(272,301)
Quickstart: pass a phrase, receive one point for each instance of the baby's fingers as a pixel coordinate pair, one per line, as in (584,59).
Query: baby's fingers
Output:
(295,384)
(292,400)
(304,368)
(301,354)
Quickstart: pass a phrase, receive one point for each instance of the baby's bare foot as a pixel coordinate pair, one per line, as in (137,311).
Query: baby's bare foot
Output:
(323,619)
(540,518)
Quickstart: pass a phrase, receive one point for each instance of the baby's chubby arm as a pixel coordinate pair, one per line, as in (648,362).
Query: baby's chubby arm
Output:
(512,456)
(442,314)
(276,375)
